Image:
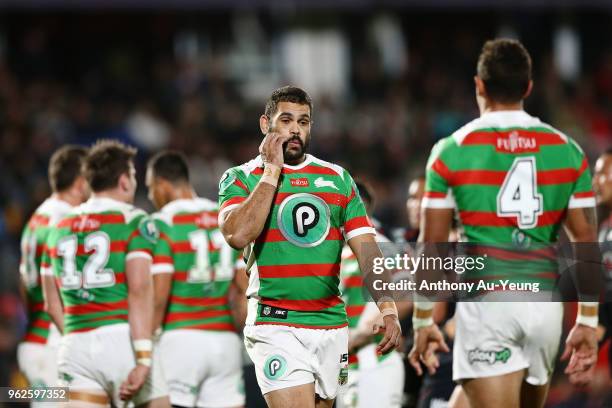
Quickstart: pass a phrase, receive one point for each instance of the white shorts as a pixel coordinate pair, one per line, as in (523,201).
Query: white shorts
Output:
(374,383)
(38,363)
(203,368)
(496,338)
(101,359)
(287,356)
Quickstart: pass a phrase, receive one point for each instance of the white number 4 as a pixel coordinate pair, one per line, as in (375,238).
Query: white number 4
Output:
(518,196)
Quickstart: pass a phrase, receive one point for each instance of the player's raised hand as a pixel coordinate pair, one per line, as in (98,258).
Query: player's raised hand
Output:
(581,349)
(134,381)
(393,333)
(427,342)
(271,148)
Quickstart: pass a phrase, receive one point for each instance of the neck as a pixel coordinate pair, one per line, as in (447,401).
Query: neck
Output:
(183,192)
(69,196)
(492,106)
(114,194)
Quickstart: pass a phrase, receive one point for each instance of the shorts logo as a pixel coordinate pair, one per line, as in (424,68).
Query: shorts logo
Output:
(274,367)
(343,376)
(273,312)
(266,310)
(304,219)
(489,356)
(344,358)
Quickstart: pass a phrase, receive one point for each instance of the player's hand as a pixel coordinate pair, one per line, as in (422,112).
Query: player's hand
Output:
(134,381)
(581,349)
(393,333)
(427,341)
(271,148)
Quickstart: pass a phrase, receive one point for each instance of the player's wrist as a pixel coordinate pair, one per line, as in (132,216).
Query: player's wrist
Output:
(271,174)
(143,351)
(588,314)
(422,316)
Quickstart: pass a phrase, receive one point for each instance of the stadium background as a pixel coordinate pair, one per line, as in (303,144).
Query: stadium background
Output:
(388,79)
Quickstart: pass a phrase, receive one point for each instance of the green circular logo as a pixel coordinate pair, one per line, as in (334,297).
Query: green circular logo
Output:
(304,219)
(275,367)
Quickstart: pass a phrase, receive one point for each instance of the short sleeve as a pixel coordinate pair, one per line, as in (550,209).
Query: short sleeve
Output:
(143,238)
(356,221)
(582,190)
(438,193)
(232,190)
(162,253)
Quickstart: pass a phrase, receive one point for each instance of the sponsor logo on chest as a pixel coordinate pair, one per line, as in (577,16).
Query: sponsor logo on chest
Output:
(299,182)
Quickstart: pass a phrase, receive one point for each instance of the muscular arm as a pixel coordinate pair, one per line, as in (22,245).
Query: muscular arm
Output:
(162,283)
(53,301)
(237,298)
(140,298)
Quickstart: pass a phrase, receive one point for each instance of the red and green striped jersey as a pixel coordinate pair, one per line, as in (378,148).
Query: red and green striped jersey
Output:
(511,178)
(295,275)
(89,250)
(192,248)
(33,244)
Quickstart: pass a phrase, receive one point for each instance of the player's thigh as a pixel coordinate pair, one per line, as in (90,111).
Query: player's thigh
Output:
(330,350)
(301,396)
(489,339)
(184,355)
(223,386)
(533,396)
(502,391)
(161,402)
(281,359)
(38,362)
(458,399)
(382,384)
(87,399)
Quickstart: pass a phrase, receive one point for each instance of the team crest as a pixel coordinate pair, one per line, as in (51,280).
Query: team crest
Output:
(226,181)
(148,230)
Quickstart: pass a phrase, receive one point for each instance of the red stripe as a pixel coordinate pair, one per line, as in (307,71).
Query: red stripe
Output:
(275,235)
(490,138)
(352,311)
(88,220)
(298,270)
(439,167)
(309,169)
(352,194)
(95,307)
(162,259)
(491,219)
(38,220)
(435,194)
(203,301)
(241,185)
(307,305)
(512,255)
(123,317)
(586,194)
(203,314)
(303,326)
(209,216)
(583,166)
(36,307)
(34,338)
(329,198)
(357,222)
(41,324)
(210,326)
(353,281)
(494,177)
(231,201)
(185,247)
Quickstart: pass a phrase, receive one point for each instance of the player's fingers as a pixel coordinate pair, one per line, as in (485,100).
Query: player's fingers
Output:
(413,359)
(566,352)
(443,346)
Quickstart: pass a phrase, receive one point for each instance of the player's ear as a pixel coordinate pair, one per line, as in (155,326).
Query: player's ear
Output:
(124,182)
(529,89)
(481,90)
(264,124)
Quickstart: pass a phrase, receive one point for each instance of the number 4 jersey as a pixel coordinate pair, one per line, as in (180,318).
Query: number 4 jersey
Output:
(193,249)
(511,178)
(295,274)
(88,252)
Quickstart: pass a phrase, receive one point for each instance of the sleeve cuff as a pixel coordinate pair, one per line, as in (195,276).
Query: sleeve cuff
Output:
(581,202)
(447,201)
(224,210)
(162,268)
(359,231)
(46,271)
(138,254)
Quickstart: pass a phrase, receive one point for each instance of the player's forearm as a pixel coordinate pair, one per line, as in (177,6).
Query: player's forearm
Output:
(161,285)
(243,225)
(52,302)
(140,310)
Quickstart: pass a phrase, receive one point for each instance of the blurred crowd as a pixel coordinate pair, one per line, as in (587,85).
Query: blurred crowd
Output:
(159,80)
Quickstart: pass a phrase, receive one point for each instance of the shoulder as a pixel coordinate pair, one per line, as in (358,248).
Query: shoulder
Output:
(245,169)
(339,170)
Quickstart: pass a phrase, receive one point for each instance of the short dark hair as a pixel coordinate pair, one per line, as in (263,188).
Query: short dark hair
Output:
(366,194)
(106,162)
(65,166)
(170,165)
(504,66)
(287,94)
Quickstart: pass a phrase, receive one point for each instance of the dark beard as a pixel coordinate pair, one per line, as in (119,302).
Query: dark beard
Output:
(294,157)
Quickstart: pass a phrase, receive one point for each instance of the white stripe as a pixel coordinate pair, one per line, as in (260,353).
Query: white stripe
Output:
(162,268)
(138,254)
(223,211)
(46,271)
(360,231)
(446,202)
(581,202)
